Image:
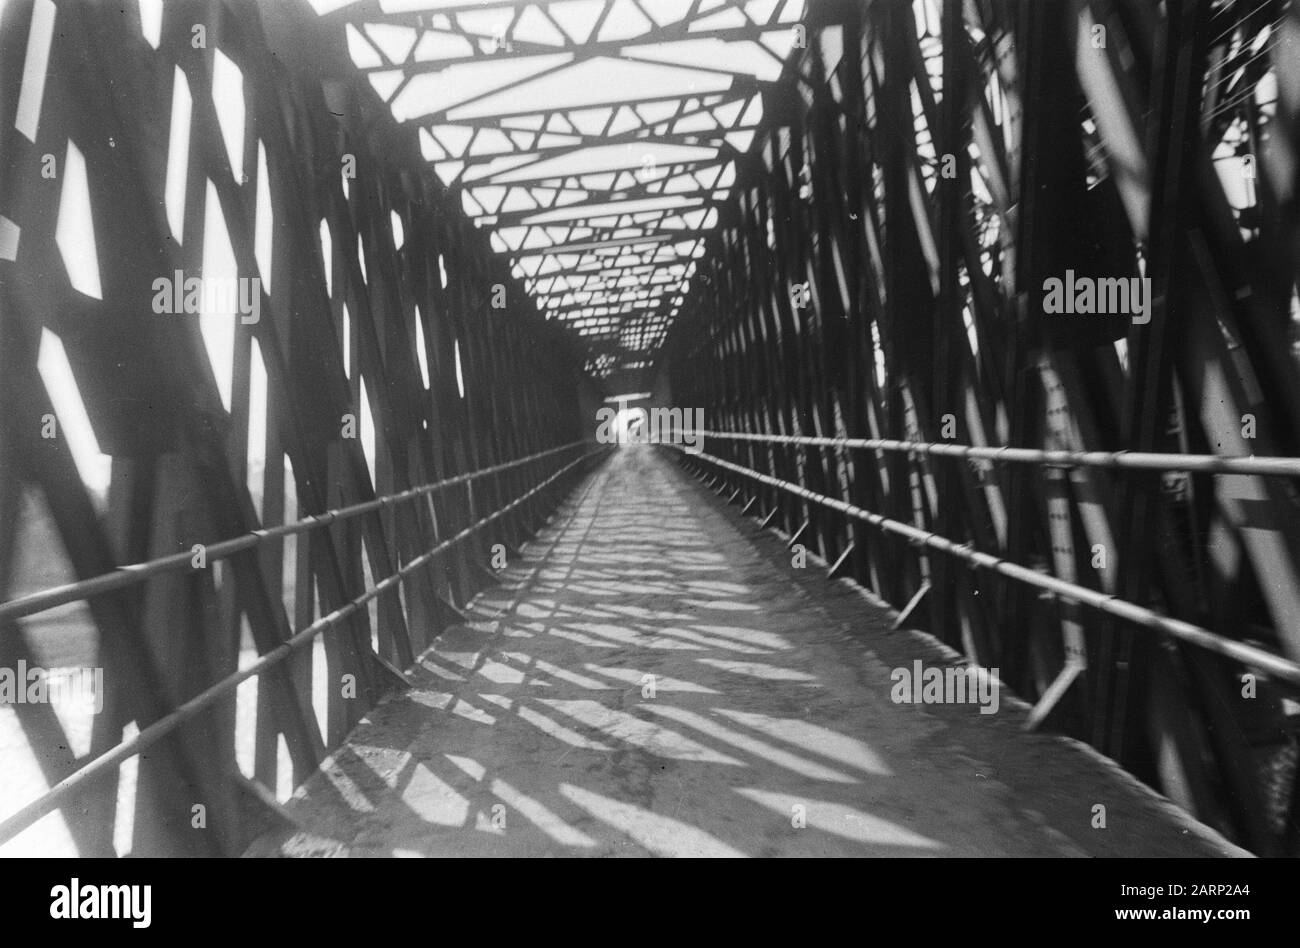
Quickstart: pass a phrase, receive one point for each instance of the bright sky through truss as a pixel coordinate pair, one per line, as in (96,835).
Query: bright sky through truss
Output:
(594,138)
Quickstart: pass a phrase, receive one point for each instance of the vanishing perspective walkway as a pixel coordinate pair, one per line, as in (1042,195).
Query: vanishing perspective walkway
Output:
(654,678)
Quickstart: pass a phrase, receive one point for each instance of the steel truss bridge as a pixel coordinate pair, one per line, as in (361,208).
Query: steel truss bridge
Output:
(453,230)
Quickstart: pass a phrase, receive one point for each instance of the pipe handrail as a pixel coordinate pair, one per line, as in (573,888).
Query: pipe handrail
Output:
(1133,460)
(56,795)
(133,573)
(1250,655)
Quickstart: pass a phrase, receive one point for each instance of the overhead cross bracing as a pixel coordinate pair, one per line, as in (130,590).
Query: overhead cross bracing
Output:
(596,138)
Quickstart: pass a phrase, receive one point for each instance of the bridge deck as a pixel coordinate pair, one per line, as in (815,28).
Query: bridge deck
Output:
(532,730)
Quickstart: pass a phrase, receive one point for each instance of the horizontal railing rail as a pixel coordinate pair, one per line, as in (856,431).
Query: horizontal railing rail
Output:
(58,794)
(1131,460)
(1276,665)
(125,576)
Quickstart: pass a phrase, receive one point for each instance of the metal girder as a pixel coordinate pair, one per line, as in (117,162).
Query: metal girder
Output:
(532,110)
